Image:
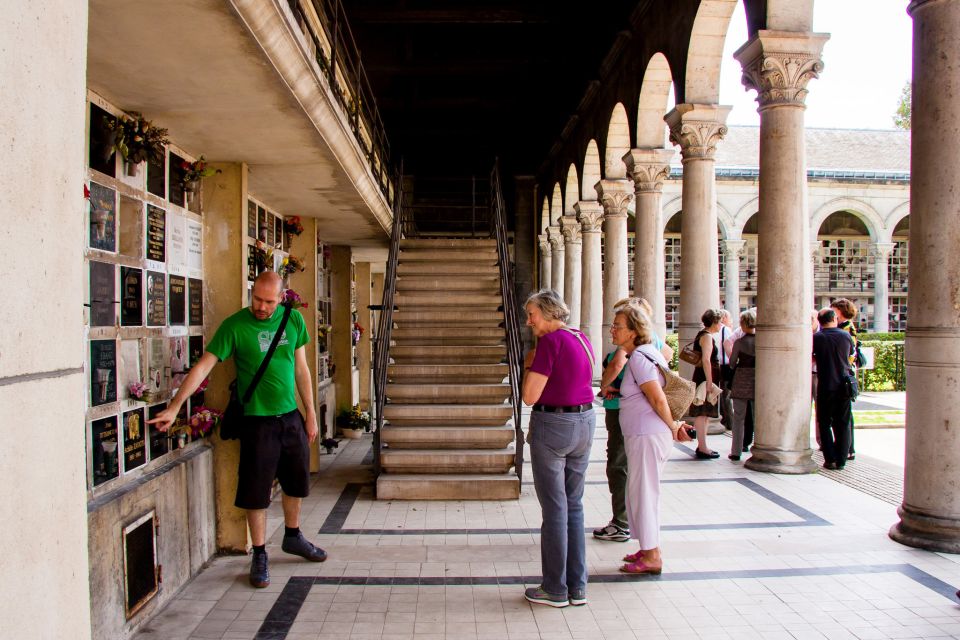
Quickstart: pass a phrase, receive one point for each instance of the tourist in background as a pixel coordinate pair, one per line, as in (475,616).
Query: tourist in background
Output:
(707,372)
(743,363)
(846,311)
(831,349)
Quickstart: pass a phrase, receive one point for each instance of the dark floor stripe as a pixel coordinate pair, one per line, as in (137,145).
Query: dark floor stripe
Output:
(338,515)
(285,610)
(368,459)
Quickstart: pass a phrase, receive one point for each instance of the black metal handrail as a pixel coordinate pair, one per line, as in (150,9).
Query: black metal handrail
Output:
(510,309)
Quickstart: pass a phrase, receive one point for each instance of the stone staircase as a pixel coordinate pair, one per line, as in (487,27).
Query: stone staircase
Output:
(449,431)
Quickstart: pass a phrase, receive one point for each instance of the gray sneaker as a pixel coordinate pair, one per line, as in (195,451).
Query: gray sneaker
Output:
(612,532)
(259,572)
(578,597)
(300,546)
(537,595)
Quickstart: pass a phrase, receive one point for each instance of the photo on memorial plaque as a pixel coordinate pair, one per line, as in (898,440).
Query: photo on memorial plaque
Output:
(104,439)
(156,234)
(103,294)
(131,297)
(195,349)
(156,299)
(134,440)
(195,301)
(179,356)
(155,364)
(252,219)
(103,372)
(103,217)
(159,441)
(178,301)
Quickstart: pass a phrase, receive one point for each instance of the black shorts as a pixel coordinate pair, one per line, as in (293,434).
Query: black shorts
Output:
(272,447)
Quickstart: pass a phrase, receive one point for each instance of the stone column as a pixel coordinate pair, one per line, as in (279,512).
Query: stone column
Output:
(649,168)
(615,195)
(732,250)
(340,341)
(364,347)
(572,267)
(556,259)
(590,216)
(696,129)
(811,290)
(930,513)
(779,65)
(546,261)
(881,285)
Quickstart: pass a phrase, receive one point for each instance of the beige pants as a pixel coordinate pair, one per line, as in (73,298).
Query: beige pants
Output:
(646,457)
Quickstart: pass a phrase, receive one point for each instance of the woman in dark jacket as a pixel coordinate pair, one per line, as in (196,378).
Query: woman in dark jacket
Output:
(743,361)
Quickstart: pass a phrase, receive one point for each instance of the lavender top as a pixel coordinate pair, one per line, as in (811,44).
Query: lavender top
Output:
(569,371)
(637,417)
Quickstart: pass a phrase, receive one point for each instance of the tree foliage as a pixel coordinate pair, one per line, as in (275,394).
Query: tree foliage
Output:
(901,118)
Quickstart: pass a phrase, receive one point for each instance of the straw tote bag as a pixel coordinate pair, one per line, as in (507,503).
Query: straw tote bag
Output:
(679,391)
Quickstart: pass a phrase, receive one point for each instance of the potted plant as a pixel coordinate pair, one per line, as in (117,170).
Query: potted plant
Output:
(353,422)
(292,227)
(194,171)
(137,140)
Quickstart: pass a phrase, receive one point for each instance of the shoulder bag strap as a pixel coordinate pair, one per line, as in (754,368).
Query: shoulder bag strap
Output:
(659,366)
(266,359)
(582,343)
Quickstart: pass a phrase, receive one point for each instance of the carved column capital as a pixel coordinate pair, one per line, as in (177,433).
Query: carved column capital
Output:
(589,215)
(815,249)
(779,64)
(696,129)
(570,229)
(648,168)
(733,249)
(882,250)
(544,240)
(556,238)
(615,195)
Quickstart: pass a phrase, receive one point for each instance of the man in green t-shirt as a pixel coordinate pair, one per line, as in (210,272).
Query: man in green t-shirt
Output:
(274,439)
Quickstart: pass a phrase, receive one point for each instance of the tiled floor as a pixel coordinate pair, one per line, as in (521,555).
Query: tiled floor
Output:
(747,555)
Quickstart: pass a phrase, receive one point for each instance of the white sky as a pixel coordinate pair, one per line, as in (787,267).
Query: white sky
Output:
(866,63)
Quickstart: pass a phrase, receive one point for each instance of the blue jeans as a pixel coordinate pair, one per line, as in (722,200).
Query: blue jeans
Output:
(559,453)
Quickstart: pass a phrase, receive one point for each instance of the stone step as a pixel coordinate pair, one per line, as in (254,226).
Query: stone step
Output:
(439,354)
(447,461)
(445,317)
(458,393)
(447,437)
(479,284)
(400,415)
(448,243)
(452,268)
(476,336)
(443,373)
(478,256)
(456,299)
(504,486)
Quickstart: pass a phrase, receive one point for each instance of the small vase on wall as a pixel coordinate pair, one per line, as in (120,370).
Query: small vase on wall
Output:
(132,168)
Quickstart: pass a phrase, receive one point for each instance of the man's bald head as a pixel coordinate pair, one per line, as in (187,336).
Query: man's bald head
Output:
(267,290)
(269,281)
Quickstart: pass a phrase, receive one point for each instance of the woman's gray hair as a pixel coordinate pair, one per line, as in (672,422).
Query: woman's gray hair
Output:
(550,303)
(748,319)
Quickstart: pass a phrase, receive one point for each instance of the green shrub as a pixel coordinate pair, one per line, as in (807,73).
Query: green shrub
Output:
(885,375)
(896,336)
(672,341)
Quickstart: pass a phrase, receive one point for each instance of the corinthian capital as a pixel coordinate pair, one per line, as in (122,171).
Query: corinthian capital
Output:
(648,168)
(882,250)
(589,215)
(556,238)
(570,229)
(696,129)
(544,240)
(615,195)
(779,64)
(733,249)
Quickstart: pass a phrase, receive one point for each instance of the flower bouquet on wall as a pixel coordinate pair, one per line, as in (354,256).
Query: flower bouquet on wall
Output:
(292,226)
(291,264)
(137,140)
(292,299)
(194,171)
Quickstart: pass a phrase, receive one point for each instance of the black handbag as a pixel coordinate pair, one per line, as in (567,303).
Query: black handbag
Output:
(231,424)
(851,386)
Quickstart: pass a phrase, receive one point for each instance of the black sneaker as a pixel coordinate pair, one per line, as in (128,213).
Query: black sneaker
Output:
(578,597)
(612,532)
(537,595)
(259,572)
(300,546)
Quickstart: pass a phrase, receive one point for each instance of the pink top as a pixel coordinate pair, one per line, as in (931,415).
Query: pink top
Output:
(637,417)
(562,358)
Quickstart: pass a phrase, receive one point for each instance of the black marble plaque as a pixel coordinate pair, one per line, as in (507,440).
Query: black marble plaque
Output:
(157,176)
(102,154)
(103,217)
(103,291)
(278,233)
(271,238)
(131,302)
(261,224)
(103,372)
(156,299)
(252,219)
(104,438)
(177,173)
(178,300)
(196,349)
(156,233)
(195,299)
(251,264)
(159,442)
(134,440)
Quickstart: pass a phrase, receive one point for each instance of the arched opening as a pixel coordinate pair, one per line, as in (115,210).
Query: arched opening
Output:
(556,205)
(655,96)
(618,144)
(844,266)
(897,276)
(545,215)
(571,192)
(704,57)
(591,171)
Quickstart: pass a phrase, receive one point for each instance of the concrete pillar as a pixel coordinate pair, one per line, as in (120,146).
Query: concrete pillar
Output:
(810,293)
(881,284)
(43,382)
(364,347)
(649,168)
(524,248)
(546,261)
(590,217)
(341,349)
(572,266)
(732,250)
(930,513)
(779,65)
(556,259)
(696,129)
(615,195)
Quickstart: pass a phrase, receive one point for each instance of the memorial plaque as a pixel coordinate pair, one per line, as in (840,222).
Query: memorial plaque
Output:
(157,176)
(179,355)
(129,366)
(251,264)
(104,438)
(134,440)
(103,291)
(103,372)
(159,442)
(155,364)
(195,349)
(252,219)
(261,224)
(176,241)
(102,157)
(177,173)
(156,299)
(178,300)
(271,230)
(103,217)
(156,233)
(131,301)
(195,298)
(194,245)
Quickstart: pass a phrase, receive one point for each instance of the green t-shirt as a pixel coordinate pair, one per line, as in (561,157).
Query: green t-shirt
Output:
(247,340)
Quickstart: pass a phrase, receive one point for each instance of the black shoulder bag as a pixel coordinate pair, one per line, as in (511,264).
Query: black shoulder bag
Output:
(231,424)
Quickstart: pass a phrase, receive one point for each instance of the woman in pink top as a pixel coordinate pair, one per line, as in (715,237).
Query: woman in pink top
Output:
(648,434)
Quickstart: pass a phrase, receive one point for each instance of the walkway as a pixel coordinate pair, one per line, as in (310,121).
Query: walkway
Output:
(748,555)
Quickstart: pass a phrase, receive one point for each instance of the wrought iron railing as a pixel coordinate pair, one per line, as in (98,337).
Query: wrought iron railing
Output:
(511,311)
(324,23)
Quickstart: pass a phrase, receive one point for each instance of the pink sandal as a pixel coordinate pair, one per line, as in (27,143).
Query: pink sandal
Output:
(633,557)
(641,568)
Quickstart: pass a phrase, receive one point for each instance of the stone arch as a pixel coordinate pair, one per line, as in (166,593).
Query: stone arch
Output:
(545,215)
(591,171)
(728,230)
(652,105)
(899,212)
(556,205)
(744,213)
(618,144)
(571,192)
(671,209)
(871,219)
(702,78)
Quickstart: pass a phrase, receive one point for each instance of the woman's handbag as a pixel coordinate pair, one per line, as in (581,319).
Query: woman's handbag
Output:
(679,391)
(690,355)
